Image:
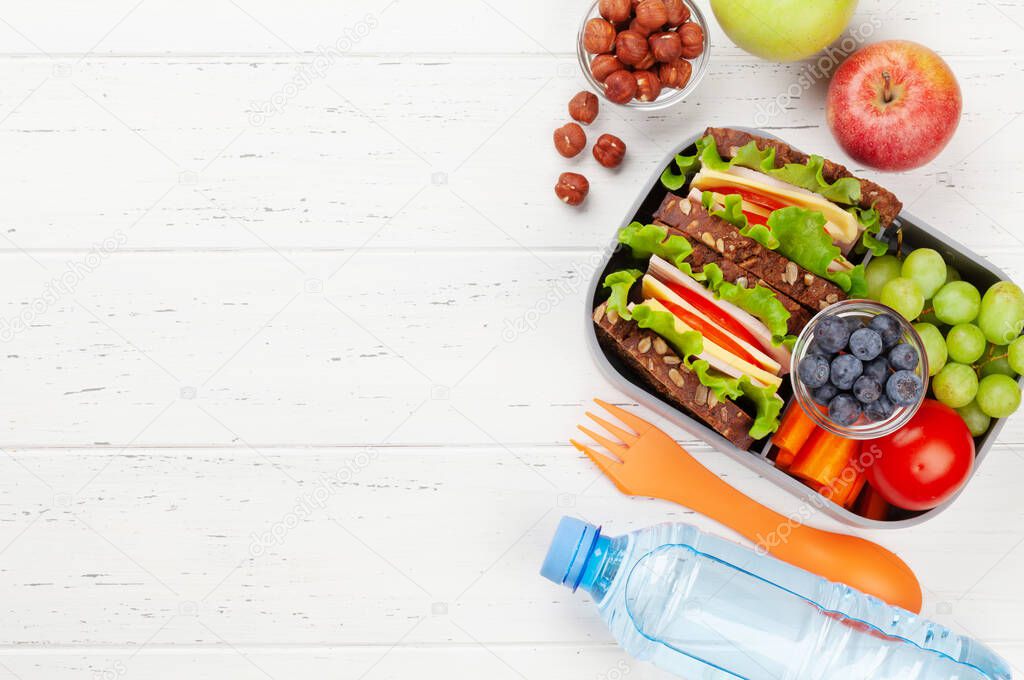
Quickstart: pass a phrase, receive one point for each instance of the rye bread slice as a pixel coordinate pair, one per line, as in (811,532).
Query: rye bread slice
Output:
(661,368)
(782,274)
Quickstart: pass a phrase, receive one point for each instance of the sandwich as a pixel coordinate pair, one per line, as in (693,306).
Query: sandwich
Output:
(752,239)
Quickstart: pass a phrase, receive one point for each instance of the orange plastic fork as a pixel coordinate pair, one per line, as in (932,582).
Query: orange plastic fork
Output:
(650,463)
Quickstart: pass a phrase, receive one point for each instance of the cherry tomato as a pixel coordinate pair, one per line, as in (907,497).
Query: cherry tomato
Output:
(924,462)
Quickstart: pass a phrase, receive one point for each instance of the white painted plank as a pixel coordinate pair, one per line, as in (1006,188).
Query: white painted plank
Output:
(268,349)
(501,662)
(425,546)
(403,26)
(167,152)
(400,663)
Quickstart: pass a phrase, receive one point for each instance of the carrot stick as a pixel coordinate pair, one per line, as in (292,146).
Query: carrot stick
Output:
(847,487)
(784,458)
(823,458)
(793,431)
(872,505)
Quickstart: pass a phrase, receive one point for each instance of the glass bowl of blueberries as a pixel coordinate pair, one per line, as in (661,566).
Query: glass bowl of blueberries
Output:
(859,370)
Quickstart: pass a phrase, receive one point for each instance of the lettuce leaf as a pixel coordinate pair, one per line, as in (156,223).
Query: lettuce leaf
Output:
(768,405)
(689,344)
(759,301)
(809,176)
(869,240)
(802,238)
(620,282)
(676,178)
(650,239)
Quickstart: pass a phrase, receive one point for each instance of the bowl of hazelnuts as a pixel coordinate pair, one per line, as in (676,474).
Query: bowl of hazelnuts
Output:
(645,54)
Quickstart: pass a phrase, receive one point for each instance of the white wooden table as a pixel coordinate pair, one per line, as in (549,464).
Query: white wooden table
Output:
(264,416)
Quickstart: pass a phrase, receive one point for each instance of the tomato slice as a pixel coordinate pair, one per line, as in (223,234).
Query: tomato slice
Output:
(713,312)
(754,218)
(709,331)
(751,196)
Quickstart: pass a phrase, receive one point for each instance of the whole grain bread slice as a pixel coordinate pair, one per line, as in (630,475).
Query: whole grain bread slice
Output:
(781,273)
(661,368)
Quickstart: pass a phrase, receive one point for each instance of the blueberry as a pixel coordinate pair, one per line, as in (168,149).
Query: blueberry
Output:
(903,357)
(844,410)
(867,389)
(880,409)
(903,388)
(865,344)
(832,333)
(877,369)
(815,348)
(887,326)
(813,370)
(845,369)
(824,394)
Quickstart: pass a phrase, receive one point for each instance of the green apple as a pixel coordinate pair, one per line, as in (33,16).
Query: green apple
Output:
(783,30)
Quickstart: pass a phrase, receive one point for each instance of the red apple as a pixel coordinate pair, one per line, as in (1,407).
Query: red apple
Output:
(894,105)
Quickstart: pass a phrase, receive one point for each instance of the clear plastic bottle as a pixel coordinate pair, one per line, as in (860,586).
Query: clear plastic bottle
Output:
(706,608)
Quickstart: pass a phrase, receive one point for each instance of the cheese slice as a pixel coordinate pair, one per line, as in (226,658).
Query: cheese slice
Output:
(719,357)
(653,288)
(841,225)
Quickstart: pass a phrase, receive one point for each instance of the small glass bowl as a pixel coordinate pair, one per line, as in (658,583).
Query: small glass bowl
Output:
(862,429)
(668,95)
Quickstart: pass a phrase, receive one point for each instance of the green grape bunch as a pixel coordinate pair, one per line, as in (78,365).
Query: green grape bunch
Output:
(973,341)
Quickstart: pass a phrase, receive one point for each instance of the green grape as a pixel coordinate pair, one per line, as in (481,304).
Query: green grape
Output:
(965,343)
(927,268)
(994,362)
(976,420)
(1015,355)
(934,346)
(952,274)
(1002,313)
(957,302)
(955,385)
(904,296)
(998,395)
(880,271)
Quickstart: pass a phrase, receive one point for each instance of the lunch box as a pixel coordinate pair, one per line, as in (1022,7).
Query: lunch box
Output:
(907,230)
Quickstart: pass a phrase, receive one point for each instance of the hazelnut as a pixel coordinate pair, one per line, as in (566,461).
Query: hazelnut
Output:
(675,74)
(572,188)
(635,26)
(678,13)
(648,86)
(570,139)
(598,36)
(604,65)
(666,47)
(583,107)
(692,36)
(609,151)
(652,13)
(616,11)
(631,48)
(620,87)
(646,64)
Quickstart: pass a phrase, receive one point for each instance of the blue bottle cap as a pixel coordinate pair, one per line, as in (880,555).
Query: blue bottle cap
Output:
(567,556)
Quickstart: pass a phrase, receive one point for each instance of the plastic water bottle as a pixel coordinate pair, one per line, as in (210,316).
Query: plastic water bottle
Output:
(706,608)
